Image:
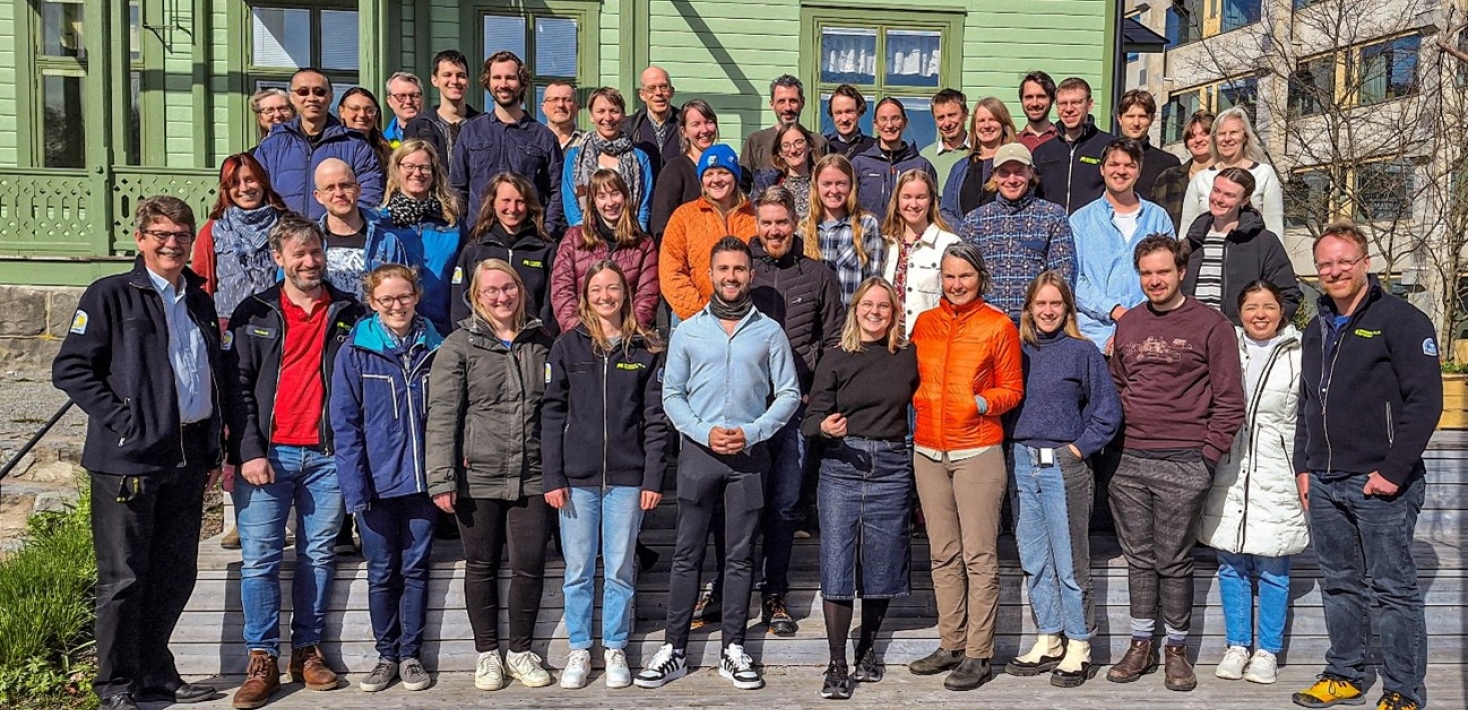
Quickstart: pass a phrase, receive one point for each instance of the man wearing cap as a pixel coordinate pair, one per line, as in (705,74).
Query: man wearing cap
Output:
(721,210)
(1019,234)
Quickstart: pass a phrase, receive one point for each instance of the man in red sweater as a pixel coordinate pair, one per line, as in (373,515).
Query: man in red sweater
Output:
(1175,364)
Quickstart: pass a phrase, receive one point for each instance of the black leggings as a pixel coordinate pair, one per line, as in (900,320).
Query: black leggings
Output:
(485,526)
(838,614)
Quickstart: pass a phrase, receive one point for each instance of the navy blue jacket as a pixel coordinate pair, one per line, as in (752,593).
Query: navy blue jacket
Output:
(645,137)
(532,256)
(379,408)
(1070,172)
(602,418)
(1371,391)
(114,364)
(290,161)
(877,171)
(488,146)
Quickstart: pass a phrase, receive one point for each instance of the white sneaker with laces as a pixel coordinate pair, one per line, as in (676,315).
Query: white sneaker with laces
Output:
(1263,668)
(664,666)
(525,667)
(738,667)
(1232,665)
(618,674)
(489,672)
(578,667)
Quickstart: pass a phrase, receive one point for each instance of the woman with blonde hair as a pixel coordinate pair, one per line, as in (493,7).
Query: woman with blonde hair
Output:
(970,182)
(1233,144)
(484,466)
(421,210)
(608,232)
(510,227)
(838,231)
(858,408)
(916,235)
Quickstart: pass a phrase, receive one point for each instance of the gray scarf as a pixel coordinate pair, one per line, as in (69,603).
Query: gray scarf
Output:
(243,265)
(627,166)
(731,310)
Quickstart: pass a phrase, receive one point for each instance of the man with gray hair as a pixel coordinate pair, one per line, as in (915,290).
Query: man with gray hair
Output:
(787,100)
(654,128)
(405,98)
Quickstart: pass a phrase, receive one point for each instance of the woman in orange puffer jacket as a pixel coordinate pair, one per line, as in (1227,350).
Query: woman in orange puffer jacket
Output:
(970,365)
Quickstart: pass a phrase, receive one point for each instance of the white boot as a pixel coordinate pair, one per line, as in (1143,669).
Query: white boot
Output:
(1077,656)
(1046,646)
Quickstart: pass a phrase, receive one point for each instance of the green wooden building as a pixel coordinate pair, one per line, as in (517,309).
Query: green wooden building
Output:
(103,102)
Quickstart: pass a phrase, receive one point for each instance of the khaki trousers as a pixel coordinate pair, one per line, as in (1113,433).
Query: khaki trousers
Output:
(960,502)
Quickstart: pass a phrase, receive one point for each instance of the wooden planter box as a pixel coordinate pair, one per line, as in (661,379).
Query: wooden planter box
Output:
(1455,402)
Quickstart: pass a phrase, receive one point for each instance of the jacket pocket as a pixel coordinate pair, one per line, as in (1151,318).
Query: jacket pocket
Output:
(384,384)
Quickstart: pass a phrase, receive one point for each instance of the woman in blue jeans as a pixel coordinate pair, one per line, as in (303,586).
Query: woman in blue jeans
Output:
(603,461)
(1253,517)
(1071,410)
(858,412)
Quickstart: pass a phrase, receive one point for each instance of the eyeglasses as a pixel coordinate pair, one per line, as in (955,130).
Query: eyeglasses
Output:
(414,97)
(338,187)
(1338,266)
(368,110)
(416,168)
(798,144)
(274,110)
(163,237)
(496,292)
(558,100)
(658,88)
(890,121)
(406,299)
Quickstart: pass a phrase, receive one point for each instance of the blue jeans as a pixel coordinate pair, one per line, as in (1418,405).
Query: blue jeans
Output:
(782,499)
(606,520)
(307,478)
(1236,587)
(1052,529)
(1356,537)
(397,540)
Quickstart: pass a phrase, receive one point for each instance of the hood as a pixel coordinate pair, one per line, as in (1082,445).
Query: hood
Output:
(1251,223)
(1288,336)
(370,334)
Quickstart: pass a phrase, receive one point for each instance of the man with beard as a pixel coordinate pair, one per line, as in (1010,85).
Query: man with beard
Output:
(143,360)
(284,342)
(654,128)
(787,100)
(507,140)
(729,387)
(442,125)
(1070,164)
(293,149)
(1036,96)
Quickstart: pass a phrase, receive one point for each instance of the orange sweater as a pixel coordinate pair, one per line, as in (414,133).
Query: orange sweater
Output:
(683,263)
(963,352)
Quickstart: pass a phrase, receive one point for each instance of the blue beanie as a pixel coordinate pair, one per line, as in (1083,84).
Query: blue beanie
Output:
(719,156)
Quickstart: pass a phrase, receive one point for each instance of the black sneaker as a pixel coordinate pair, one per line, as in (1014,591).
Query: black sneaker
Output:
(664,666)
(708,610)
(838,683)
(936,662)
(777,618)
(739,669)
(868,668)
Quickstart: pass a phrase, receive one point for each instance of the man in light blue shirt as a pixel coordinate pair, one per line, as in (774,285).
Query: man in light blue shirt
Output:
(728,386)
(187,352)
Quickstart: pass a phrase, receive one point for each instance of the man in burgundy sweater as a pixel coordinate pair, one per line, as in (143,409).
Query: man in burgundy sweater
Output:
(1175,363)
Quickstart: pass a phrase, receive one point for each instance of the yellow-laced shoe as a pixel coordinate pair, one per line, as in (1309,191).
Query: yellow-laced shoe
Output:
(1329,691)
(1395,701)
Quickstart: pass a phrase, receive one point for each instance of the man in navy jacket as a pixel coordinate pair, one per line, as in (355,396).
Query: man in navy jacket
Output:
(1370,398)
(293,149)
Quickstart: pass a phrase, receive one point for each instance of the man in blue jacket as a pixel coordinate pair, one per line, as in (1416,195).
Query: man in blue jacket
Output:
(1070,164)
(293,150)
(1370,398)
(143,361)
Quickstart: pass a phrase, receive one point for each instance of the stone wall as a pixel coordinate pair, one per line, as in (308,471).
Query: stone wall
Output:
(33,321)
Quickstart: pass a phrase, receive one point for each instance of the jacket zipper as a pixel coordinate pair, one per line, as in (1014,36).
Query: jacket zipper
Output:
(605,427)
(1251,417)
(1070,168)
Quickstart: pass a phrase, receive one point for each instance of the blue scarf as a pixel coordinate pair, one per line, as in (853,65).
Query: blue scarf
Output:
(242,252)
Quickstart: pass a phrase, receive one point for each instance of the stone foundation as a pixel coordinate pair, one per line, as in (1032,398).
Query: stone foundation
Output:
(33,321)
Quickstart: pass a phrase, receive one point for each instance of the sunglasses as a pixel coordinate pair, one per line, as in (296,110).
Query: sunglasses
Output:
(310,91)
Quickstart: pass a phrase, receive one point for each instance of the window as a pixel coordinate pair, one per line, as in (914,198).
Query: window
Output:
(1308,199)
(285,38)
(1238,13)
(549,44)
(133,150)
(1356,76)
(1226,94)
(1184,22)
(1383,191)
(1312,87)
(1192,20)
(1388,70)
(61,67)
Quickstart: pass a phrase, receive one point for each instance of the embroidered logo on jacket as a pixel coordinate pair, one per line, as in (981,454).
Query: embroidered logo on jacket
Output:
(79,322)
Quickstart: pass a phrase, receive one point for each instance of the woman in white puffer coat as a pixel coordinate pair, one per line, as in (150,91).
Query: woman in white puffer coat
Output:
(1254,518)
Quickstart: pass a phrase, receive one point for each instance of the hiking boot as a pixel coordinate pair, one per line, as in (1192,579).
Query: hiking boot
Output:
(936,662)
(708,610)
(1328,691)
(618,675)
(489,671)
(231,539)
(776,618)
(739,668)
(1395,701)
(1263,668)
(1178,671)
(577,670)
(262,679)
(1140,659)
(307,666)
(1233,663)
(1075,667)
(666,665)
(525,667)
(838,682)
(381,676)
(969,675)
(868,669)
(413,675)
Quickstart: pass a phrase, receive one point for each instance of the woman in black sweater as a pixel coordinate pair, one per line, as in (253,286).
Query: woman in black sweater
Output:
(858,409)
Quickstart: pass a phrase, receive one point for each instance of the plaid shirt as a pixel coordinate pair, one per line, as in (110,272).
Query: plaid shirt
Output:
(1019,240)
(838,250)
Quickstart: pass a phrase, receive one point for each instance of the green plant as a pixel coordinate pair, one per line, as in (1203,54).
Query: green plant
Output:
(1454,368)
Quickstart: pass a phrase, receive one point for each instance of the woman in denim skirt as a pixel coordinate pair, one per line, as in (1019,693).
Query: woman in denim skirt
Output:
(858,409)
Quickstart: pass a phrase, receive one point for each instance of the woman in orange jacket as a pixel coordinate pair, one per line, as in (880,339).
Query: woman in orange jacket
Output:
(970,366)
(721,211)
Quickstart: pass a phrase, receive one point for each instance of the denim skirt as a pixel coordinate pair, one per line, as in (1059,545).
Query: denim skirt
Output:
(865,499)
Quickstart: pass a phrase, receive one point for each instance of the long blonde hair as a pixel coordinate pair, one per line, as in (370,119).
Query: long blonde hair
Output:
(521,320)
(810,231)
(1252,151)
(1027,330)
(851,332)
(892,228)
(630,327)
(626,229)
(440,188)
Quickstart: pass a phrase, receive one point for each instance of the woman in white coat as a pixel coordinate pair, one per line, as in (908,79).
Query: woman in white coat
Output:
(1234,145)
(916,236)
(1254,518)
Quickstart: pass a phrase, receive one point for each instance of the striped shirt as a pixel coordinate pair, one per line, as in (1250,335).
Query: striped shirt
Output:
(1210,271)
(838,250)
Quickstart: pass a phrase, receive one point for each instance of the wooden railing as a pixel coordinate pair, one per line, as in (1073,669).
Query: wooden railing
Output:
(77,213)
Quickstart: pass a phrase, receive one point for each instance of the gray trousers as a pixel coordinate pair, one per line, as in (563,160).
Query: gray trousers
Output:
(1157,504)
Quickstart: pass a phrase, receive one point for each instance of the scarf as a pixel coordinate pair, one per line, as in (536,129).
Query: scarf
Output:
(243,265)
(406,211)
(606,232)
(731,310)
(627,166)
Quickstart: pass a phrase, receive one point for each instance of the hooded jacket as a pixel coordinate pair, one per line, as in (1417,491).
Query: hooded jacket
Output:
(290,161)
(430,126)
(379,409)
(603,415)
(645,137)
(1250,252)
(488,146)
(683,262)
(484,402)
(877,170)
(527,250)
(382,246)
(802,296)
(639,263)
(1070,171)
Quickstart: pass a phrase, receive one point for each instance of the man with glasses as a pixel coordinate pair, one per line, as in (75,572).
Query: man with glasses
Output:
(355,242)
(441,126)
(1070,165)
(143,360)
(654,128)
(405,99)
(1371,396)
(558,103)
(293,150)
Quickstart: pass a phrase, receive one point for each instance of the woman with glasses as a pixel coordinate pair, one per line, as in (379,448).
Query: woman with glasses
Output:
(877,167)
(424,215)
(358,110)
(793,156)
(379,409)
(270,106)
(607,147)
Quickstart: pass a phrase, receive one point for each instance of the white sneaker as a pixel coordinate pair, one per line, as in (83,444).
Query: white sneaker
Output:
(489,672)
(618,674)
(664,666)
(1232,665)
(578,667)
(739,668)
(1263,668)
(525,667)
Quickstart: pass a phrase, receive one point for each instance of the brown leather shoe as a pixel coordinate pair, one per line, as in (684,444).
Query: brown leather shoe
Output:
(1179,671)
(307,666)
(1140,659)
(262,679)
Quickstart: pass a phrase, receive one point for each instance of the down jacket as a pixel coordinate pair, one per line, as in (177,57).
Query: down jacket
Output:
(290,161)
(965,353)
(1250,252)
(639,264)
(1254,507)
(683,263)
(801,294)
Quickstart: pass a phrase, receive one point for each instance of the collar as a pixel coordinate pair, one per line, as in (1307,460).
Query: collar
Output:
(169,291)
(965,147)
(1052,130)
(929,237)
(494,117)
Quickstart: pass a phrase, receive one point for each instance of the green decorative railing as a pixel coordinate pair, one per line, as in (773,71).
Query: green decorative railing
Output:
(74,213)
(131,185)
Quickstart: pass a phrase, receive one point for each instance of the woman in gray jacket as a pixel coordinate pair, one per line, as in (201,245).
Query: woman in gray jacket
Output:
(483,444)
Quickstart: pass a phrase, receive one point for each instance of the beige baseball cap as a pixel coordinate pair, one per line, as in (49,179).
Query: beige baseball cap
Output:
(1013,153)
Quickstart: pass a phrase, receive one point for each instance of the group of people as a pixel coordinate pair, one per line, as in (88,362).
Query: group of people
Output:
(457,317)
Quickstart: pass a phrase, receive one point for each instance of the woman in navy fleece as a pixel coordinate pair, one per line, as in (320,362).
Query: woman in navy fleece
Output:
(1070,411)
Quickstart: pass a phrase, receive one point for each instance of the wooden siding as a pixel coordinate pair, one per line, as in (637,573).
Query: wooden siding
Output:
(9,73)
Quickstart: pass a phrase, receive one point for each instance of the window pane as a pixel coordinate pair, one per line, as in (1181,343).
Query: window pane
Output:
(134,146)
(555,47)
(61,98)
(61,29)
(1389,70)
(281,38)
(1176,112)
(848,56)
(1383,191)
(921,129)
(1312,88)
(1307,199)
(1237,13)
(339,40)
(1184,21)
(502,33)
(134,34)
(1240,92)
(865,122)
(914,58)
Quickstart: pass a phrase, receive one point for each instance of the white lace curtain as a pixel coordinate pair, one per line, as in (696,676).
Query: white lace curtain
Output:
(913,57)
(849,55)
